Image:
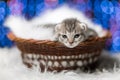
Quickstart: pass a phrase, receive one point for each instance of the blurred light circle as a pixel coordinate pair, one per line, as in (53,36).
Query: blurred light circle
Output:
(2,11)
(116,41)
(15,7)
(107,7)
(117,13)
(116,34)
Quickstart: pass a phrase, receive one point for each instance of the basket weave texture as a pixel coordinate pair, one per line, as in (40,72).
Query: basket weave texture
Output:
(49,55)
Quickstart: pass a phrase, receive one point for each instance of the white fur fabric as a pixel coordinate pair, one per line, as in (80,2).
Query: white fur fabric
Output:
(12,68)
(28,29)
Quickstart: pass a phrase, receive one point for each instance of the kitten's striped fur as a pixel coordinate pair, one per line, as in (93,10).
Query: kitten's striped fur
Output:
(71,32)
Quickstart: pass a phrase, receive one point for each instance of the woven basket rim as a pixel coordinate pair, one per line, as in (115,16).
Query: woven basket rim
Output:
(14,38)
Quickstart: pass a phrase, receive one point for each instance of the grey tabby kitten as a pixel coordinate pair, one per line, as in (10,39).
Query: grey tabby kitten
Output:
(71,32)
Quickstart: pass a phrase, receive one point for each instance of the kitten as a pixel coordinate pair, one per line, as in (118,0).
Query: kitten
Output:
(72,32)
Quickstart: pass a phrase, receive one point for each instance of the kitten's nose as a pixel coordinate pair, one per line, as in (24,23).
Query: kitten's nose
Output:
(70,42)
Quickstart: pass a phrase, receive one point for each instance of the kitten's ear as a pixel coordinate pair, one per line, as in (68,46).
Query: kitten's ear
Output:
(83,26)
(57,27)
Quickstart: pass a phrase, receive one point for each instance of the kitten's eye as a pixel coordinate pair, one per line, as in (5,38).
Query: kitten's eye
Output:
(77,35)
(64,36)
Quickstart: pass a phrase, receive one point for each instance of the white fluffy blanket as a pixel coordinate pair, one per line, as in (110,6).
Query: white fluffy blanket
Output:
(12,68)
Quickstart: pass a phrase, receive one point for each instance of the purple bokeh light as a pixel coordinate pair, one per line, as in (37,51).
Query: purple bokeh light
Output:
(51,3)
(15,7)
(116,42)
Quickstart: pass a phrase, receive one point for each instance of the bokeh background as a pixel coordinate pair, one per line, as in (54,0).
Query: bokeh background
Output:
(103,12)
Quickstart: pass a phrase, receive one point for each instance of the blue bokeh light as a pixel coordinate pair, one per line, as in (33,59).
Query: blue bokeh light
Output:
(116,44)
(107,6)
(116,34)
(117,14)
(116,41)
(2,11)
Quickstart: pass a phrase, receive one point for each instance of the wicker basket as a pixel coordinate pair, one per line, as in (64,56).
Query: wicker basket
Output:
(52,56)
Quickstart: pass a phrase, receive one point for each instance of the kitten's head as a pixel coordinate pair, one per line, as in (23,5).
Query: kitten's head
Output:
(71,32)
